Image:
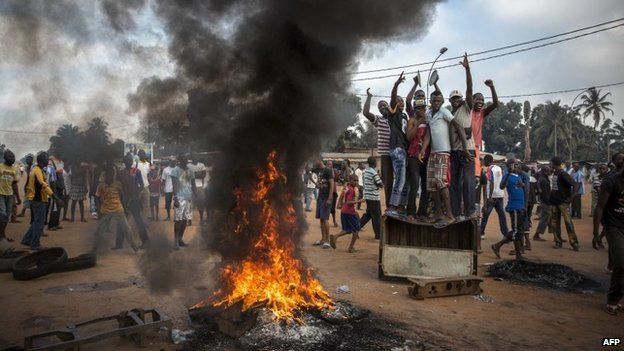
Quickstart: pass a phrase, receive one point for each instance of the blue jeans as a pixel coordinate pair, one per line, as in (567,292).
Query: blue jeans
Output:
(33,235)
(463,184)
(400,187)
(500,211)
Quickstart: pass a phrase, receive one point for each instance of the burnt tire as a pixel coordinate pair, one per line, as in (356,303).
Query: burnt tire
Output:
(7,260)
(83,261)
(39,263)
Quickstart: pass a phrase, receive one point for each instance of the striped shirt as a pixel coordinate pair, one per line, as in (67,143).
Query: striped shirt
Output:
(372,183)
(383,135)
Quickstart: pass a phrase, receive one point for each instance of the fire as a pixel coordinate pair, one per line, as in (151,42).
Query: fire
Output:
(271,275)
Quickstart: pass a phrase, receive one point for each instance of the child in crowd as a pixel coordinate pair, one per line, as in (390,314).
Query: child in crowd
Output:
(155,185)
(348,216)
(516,208)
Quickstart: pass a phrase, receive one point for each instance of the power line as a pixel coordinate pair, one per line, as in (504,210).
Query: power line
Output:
(534,94)
(491,50)
(499,55)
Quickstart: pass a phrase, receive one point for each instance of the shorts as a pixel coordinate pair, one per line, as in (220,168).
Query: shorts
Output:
(438,171)
(6,207)
(350,222)
(322,208)
(183,212)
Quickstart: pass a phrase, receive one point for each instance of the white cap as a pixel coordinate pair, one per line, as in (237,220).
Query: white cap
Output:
(455,93)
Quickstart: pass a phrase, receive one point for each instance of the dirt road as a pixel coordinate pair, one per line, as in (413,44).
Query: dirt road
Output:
(520,317)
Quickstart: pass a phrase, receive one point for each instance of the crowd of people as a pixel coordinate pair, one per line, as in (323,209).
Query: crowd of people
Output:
(434,155)
(114,194)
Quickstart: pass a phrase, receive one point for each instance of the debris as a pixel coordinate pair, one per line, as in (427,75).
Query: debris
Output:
(135,323)
(180,336)
(483,298)
(343,289)
(547,275)
(394,293)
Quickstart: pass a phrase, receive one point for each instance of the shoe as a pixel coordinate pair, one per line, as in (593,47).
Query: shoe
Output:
(482,236)
(496,251)
(537,238)
(326,246)
(318,243)
(557,246)
(182,244)
(612,309)
(308,210)
(576,247)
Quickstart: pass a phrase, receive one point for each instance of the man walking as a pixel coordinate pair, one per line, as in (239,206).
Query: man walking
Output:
(494,196)
(327,187)
(166,177)
(577,175)
(610,210)
(37,192)
(8,190)
(543,193)
(563,190)
(383,140)
(372,184)
(132,183)
(183,189)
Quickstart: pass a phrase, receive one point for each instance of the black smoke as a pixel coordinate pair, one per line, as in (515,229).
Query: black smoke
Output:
(272,75)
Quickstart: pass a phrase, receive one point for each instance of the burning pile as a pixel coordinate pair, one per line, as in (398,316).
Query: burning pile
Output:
(271,275)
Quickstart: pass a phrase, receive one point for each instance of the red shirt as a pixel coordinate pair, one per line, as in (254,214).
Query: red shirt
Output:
(348,196)
(477,127)
(416,143)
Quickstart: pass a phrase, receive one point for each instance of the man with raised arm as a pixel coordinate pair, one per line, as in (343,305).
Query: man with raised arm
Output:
(398,151)
(383,140)
(463,150)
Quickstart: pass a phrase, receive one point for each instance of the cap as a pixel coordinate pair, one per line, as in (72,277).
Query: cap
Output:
(455,93)
(420,103)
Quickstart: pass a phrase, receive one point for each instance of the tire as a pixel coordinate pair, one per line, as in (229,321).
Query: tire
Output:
(83,261)
(7,260)
(39,263)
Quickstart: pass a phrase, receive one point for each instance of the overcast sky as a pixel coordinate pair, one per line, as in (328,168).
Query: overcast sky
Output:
(95,77)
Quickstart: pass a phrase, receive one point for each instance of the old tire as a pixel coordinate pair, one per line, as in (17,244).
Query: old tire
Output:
(39,263)
(7,260)
(83,261)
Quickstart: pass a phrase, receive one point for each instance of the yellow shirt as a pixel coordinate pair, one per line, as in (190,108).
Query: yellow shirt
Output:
(8,175)
(37,188)
(110,197)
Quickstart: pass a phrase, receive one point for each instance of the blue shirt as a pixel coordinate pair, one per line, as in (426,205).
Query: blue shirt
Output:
(515,192)
(578,177)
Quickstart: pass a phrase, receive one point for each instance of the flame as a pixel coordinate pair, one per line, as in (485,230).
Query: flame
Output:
(271,275)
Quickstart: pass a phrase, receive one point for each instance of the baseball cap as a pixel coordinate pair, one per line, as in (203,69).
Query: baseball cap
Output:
(420,103)
(455,93)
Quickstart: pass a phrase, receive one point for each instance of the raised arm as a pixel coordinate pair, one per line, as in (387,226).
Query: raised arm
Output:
(393,96)
(410,96)
(466,65)
(494,104)
(366,110)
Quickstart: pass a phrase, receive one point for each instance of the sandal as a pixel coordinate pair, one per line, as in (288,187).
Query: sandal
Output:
(353,251)
(318,243)
(612,309)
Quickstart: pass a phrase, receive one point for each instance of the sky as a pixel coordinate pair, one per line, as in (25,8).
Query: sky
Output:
(87,72)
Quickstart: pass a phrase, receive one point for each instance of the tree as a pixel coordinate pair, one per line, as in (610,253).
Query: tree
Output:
(502,130)
(67,143)
(550,130)
(97,141)
(526,112)
(595,105)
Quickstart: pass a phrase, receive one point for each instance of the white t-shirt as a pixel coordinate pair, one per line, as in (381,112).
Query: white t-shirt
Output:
(166,176)
(360,174)
(495,177)
(144,167)
(199,167)
(312,181)
(439,125)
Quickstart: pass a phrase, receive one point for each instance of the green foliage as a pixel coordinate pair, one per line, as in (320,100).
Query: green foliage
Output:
(92,145)
(503,130)
(595,105)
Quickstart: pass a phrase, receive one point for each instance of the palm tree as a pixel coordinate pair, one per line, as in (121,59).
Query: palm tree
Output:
(67,142)
(551,126)
(594,104)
